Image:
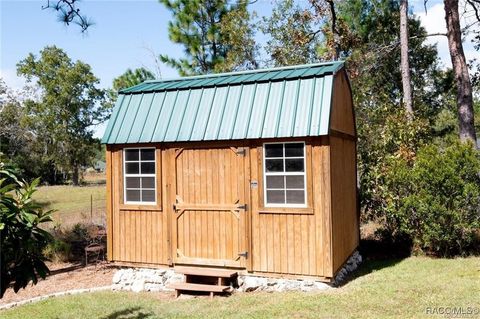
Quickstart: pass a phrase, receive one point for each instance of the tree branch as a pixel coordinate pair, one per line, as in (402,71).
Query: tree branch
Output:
(473,4)
(68,13)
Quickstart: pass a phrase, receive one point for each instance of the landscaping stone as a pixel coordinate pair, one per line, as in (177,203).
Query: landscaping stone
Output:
(143,279)
(255,283)
(251,283)
(350,266)
(138,285)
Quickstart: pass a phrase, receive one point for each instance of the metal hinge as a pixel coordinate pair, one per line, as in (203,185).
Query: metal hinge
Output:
(241,151)
(243,254)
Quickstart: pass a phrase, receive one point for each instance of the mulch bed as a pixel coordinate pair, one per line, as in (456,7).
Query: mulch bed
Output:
(64,276)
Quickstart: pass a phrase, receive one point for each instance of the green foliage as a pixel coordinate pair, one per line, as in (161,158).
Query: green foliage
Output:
(238,34)
(17,141)
(131,78)
(374,60)
(70,105)
(204,29)
(57,250)
(21,238)
(435,200)
(395,187)
(388,136)
(293,34)
(79,231)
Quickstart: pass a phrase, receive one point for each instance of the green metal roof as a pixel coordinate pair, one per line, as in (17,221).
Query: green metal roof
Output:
(282,102)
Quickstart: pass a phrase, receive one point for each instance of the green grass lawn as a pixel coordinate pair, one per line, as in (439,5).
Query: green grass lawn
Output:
(382,289)
(73,204)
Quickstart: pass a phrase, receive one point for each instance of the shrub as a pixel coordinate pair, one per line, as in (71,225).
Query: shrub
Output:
(57,250)
(434,200)
(69,242)
(21,238)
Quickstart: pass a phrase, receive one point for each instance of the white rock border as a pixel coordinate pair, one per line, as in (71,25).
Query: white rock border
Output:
(55,294)
(156,280)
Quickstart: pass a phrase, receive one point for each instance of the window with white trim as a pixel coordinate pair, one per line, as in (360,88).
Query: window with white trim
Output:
(139,175)
(284,174)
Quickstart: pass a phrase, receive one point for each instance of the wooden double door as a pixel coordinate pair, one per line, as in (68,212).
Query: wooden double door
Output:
(209,224)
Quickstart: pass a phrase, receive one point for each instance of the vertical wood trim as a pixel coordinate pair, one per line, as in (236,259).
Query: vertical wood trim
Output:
(248,217)
(328,211)
(254,230)
(171,233)
(309,177)
(117,199)
(109,199)
(166,236)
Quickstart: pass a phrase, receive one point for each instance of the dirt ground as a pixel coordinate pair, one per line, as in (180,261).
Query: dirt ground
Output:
(64,276)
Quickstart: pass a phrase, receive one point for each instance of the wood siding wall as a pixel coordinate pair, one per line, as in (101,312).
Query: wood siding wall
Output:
(138,233)
(293,241)
(345,221)
(308,241)
(342,117)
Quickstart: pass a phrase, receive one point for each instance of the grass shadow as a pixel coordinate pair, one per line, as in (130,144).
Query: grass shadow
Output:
(377,254)
(129,313)
(43,204)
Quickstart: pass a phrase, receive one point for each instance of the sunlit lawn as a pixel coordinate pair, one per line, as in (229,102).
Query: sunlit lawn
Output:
(73,204)
(383,289)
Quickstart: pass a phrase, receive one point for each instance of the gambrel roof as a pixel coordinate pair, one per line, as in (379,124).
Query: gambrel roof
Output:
(291,101)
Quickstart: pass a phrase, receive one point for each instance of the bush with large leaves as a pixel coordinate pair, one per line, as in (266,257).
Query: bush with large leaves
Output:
(21,238)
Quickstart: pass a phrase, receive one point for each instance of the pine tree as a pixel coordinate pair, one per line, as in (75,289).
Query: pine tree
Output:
(130,78)
(202,27)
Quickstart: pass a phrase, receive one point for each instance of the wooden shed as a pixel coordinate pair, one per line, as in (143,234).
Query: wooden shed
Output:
(253,171)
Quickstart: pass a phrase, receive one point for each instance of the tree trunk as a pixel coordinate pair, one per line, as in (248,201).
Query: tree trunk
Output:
(335,35)
(75,176)
(404,64)
(466,124)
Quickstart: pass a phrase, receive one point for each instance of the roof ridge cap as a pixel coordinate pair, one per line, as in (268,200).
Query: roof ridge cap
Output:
(212,75)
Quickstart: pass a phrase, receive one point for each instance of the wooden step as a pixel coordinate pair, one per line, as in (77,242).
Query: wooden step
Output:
(206,272)
(183,286)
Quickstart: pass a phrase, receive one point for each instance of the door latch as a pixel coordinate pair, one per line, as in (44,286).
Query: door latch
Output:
(244,206)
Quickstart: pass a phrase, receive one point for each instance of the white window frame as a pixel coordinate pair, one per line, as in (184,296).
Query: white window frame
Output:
(265,174)
(125,175)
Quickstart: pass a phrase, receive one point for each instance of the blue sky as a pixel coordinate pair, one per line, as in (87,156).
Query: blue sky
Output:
(118,40)
(125,35)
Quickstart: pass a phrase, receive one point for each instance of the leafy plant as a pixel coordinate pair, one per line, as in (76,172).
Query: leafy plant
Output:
(57,250)
(435,201)
(21,238)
